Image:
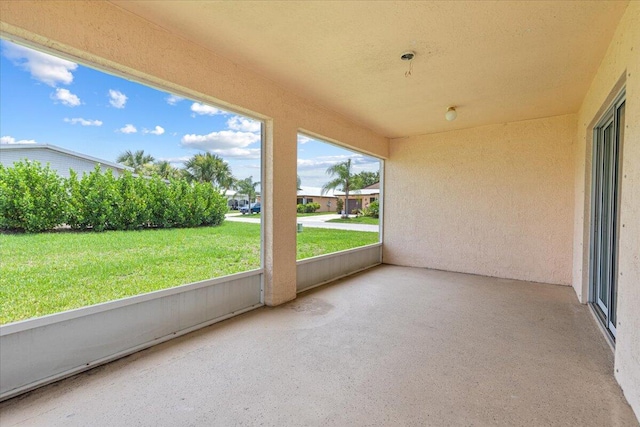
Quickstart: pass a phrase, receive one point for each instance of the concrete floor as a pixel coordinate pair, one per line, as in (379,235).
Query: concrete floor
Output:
(390,346)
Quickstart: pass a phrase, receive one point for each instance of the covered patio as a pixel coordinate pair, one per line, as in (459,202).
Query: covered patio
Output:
(389,346)
(510,281)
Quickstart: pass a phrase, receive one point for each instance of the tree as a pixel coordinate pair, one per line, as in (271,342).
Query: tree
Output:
(365,179)
(211,168)
(165,170)
(298,182)
(248,187)
(137,160)
(342,181)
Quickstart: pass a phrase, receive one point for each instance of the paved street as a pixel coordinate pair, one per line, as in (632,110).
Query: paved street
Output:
(316,221)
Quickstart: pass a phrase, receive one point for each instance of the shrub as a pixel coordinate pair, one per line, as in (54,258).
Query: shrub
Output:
(374,209)
(339,205)
(74,216)
(32,197)
(308,208)
(215,205)
(192,205)
(130,209)
(94,198)
(160,203)
(311,207)
(179,213)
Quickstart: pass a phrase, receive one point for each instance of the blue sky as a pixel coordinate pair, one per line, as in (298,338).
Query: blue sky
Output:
(45,99)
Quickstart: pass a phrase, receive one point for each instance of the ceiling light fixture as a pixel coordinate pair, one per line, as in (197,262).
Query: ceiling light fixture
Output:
(408,56)
(451,114)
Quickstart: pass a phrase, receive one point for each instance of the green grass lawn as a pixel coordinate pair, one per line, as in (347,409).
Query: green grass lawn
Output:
(357,220)
(52,272)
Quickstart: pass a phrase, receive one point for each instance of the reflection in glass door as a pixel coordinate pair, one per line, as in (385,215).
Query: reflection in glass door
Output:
(607,143)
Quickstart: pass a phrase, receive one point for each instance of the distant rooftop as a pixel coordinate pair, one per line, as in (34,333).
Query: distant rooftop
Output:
(103,162)
(314,192)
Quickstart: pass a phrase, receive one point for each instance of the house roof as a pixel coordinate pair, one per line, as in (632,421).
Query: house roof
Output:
(55,148)
(373,186)
(314,192)
(361,192)
(498,62)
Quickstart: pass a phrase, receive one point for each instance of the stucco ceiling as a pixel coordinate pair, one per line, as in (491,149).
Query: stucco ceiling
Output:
(497,61)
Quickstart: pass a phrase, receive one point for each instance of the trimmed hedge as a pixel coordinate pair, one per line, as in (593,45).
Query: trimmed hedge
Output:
(308,208)
(34,198)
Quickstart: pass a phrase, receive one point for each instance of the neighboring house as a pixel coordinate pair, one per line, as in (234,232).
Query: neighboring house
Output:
(59,159)
(359,199)
(235,200)
(326,201)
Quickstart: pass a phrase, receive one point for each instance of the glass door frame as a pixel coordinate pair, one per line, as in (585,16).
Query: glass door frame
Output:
(603,259)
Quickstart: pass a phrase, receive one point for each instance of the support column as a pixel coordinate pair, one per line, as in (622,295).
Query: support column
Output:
(279,212)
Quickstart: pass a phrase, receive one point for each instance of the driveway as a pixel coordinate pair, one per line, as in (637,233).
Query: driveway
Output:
(314,221)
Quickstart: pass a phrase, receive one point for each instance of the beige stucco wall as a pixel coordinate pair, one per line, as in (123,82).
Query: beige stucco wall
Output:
(620,67)
(322,201)
(494,200)
(103,34)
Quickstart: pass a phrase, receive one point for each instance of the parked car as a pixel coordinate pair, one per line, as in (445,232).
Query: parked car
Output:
(255,208)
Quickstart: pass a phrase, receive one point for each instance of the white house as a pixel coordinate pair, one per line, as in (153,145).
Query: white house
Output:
(59,159)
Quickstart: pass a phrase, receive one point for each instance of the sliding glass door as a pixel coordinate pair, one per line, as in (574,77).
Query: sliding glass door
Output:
(608,138)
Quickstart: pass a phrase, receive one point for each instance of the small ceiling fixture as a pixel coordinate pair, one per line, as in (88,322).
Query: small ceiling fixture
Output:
(451,114)
(408,56)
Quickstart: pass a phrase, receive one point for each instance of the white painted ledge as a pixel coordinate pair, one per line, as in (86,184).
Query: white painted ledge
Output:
(316,271)
(38,351)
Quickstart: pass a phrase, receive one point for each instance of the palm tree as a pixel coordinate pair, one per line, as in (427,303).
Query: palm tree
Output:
(165,170)
(211,168)
(248,187)
(137,160)
(342,181)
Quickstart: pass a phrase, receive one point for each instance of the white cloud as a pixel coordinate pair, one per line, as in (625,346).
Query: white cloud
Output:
(207,110)
(243,124)
(303,139)
(117,98)
(42,67)
(66,97)
(173,99)
(128,128)
(83,122)
(11,140)
(245,153)
(223,140)
(358,161)
(159,130)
